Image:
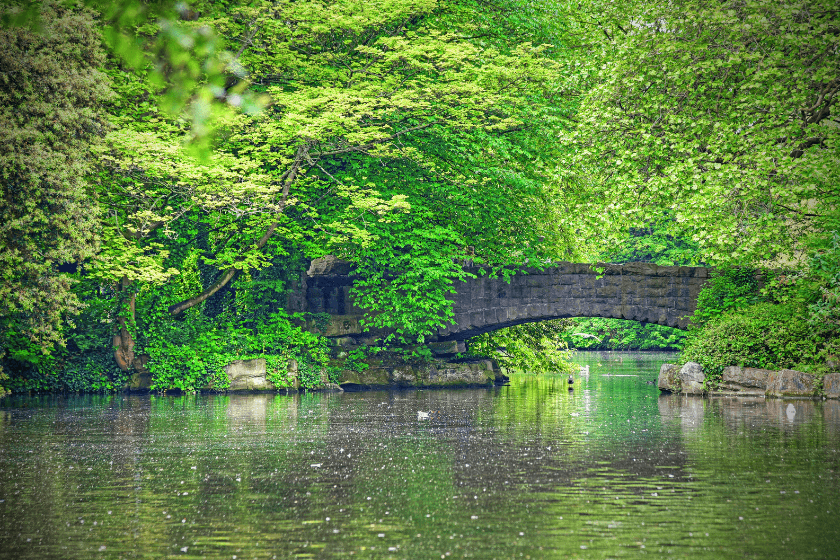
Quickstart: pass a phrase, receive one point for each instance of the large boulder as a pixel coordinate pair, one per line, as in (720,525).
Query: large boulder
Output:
(756,381)
(791,383)
(691,379)
(396,372)
(745,380)
(669,379)
(831,385)
(329,265)
(248,375)
(687,379)
(447,347)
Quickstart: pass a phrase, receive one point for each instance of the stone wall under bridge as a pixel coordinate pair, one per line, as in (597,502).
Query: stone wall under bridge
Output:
(665,295)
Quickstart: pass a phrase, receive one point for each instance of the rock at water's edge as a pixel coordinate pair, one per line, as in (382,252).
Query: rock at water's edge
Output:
(248,375)
(831,385)
(669,379)
(791,383)
(395,373)
(745,380)
(691,379)
(687,380)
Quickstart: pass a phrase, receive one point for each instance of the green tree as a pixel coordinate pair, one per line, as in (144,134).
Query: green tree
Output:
(52,93)
(724,113)
(392,137)
(531,348)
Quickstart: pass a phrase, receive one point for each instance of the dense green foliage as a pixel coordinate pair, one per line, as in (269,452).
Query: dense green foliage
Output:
(728,289)
(763,335)
(723,113)
(532,347)
(403,137)
(772,320)
(188,161)
(617,334)
(50,94)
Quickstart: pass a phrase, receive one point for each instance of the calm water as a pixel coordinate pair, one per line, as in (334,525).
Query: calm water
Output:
(612,470)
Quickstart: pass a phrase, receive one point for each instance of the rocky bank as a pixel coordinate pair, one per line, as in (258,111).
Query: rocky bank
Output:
(744,381)
(387,371)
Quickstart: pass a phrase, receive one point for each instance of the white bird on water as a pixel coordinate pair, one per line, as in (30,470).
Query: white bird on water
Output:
(422,415)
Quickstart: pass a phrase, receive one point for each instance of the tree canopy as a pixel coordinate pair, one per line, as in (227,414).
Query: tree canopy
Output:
(724,113)
(190,158)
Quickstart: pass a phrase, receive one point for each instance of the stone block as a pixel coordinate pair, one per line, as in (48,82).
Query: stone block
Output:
(607,291)
(656,293)
(446,374)
(329,265)
(247,375)
(490,317)
(745,380)
(691,379)
(444,347)
(371,377)
(140,381)
(462,320)
(343,342)
(586,282)
(791,383)
(669,379)
(656,282)
(534,281)
(831,385)
(341,325)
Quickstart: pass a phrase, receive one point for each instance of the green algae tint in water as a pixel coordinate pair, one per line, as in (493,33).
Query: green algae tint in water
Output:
(611,470)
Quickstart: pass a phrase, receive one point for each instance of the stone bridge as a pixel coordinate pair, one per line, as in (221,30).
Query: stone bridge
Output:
(665,295)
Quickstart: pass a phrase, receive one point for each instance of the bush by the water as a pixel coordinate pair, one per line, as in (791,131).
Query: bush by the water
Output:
(763,335)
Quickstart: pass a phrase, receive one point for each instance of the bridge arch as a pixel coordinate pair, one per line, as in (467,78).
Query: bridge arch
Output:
(665,295)
(644,292)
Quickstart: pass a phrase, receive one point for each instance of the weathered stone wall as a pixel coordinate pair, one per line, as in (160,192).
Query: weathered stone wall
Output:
(665,295)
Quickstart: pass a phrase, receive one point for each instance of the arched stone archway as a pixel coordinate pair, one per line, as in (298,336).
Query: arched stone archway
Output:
(665,295)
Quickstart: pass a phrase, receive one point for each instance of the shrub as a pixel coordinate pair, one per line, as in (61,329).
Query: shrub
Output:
(763,335)
(729,289)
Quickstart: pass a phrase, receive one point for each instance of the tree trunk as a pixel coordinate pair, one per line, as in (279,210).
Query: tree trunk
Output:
(123,340)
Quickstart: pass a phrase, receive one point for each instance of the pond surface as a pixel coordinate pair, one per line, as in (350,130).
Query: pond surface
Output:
(610,470)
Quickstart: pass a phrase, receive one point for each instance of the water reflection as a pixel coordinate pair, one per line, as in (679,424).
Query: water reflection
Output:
(612,469)
(688,411)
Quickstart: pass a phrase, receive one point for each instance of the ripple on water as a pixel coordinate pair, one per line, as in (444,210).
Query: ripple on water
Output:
(611,469)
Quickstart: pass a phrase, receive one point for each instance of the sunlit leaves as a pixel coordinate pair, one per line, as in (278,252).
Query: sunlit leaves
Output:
(719,112)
